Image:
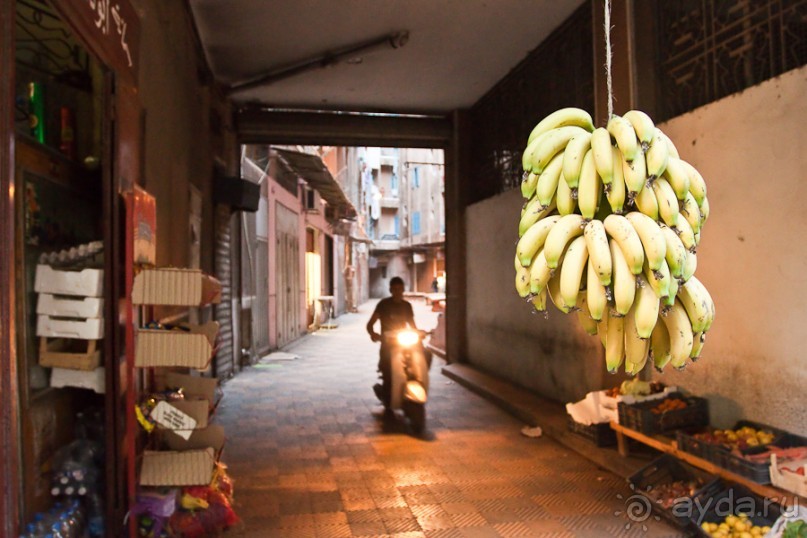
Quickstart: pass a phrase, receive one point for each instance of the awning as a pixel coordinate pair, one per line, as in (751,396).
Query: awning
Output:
(313,171)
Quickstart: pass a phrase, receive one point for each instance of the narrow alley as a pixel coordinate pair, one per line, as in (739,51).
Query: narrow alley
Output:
(311,456)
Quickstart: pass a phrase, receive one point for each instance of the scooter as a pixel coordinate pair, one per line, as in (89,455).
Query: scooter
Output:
(409,375)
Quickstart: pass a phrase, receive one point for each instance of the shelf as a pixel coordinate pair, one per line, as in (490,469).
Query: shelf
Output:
(668,446)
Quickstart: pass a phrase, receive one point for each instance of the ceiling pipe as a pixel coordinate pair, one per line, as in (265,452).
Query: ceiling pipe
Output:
(394,40)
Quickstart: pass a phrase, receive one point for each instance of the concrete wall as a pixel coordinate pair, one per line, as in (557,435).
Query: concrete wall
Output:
(179,149)
(397,265)
(553,356)
(752,256)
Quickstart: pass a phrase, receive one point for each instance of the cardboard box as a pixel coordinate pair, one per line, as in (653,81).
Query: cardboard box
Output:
(195,388)
(175,287)
(92,379)
(198,410)
(81,329)
(78,307)
(70,354)
(187,463)
(191,349)
(85,283)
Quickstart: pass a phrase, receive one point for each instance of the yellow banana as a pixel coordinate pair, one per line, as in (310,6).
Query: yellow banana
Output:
(598,250)
(539,301)
(676,253)
(657,155)
(691,212)
(697,186)
(660,346)
(615,344)
(589,188)
(528,185)
(615,191)
(625,137)
(523,281)
(645,201)
(535,212)
(690,266)
(698,339)
(566,201)
(577,148)
(678,177)
(668,301)
(567,228)
(624,282)
(603,154)
(540,273)
(655,247)
(635,173)
(551,144)
(670,146)
(553,289)
(681,339)
(589,325)
(547,182)
(643,125)
(518,264)
(533,239)
(571,272)
(659,280)
(667,202)
(526,156)
(704,211)
(636,348)
(698,304)
(596,296)
(621,230)
(684,231)
(646,306)
(602,328)
(562,118)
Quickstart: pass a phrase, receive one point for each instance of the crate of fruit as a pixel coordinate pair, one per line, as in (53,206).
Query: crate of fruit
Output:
(671,487)
(600,434)
(734,511)
(634,391)
(743,449)
(660,416)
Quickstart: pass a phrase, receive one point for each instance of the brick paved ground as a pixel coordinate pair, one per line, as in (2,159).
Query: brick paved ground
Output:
(311,457)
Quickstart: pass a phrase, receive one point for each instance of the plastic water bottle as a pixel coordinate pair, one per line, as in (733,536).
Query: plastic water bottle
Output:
(40,524)
(30,532)
(56,530)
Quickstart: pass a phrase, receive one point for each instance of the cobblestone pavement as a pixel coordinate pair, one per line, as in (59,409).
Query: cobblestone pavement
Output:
(312,456)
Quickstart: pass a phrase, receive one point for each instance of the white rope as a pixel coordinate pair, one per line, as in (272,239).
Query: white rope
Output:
(608,54)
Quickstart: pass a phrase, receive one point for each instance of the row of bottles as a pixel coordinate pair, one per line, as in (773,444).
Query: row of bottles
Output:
(72,520)
(36,120)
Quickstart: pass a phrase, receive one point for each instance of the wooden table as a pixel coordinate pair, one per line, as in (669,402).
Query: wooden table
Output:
(669,446)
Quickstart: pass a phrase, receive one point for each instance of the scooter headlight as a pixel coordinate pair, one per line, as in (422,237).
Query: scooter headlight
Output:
(408,338)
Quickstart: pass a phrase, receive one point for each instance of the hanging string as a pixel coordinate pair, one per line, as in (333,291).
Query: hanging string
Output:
(610,82)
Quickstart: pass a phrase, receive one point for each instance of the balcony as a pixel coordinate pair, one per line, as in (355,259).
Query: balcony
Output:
(387,242)
(390,202)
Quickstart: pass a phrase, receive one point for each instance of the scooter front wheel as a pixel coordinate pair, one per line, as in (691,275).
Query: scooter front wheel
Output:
(416,413)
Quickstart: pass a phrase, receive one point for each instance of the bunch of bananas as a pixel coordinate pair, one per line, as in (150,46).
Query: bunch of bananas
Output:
(609,230)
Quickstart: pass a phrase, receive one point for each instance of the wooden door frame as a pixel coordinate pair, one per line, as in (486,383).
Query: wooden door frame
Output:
(9,394)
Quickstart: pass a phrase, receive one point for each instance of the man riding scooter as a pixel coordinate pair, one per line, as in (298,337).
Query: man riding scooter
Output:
(399,359)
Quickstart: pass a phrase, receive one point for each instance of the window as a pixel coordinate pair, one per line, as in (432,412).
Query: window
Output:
(394,185)
(416,177)
(397,226)
(416,223)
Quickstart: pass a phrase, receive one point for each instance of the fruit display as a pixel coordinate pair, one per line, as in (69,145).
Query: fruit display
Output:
(795,529)
(609,230)
(739,439)
(739,526)
(670,404)
(635,387)
(666,495)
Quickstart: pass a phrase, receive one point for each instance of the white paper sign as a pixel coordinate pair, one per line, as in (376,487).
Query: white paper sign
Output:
(169,417)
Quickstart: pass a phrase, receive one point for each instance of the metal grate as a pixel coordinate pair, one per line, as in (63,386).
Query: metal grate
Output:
(708,49)
(558,73)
